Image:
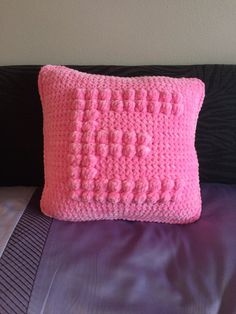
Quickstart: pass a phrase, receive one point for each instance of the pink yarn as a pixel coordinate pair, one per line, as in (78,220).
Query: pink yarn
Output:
(120,148)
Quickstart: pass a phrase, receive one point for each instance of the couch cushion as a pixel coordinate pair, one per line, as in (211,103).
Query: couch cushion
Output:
(120,148)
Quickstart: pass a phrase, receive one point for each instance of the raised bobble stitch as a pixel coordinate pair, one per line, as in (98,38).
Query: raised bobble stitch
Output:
(115,150)
(176,97)
(166,108)
(88,149)
(116,94)
(116,136)
(128,185)
(117,105)
(154,185)
(88,173)
(87,196)
(87,185)
(89,161)
(88,137)
(153,95)
(91,104)
(102,150)
(114,185)
(89,126)
(141,94)
(154,107)
(166,97)
(129,150)
(167,184)
(180,109)
(144,138)
(153,197)
(165,197)
(104,94)
(143,150)
(126,197)
(141,105)
(102,137)
(177,107)
(100,196)
(74,159)
(129,94)
(90,115)
(113,197)
(129,137)
(141,186)
(139,198)
(179,183)
(75,195)
(129,105)
(91,94)
(103,105)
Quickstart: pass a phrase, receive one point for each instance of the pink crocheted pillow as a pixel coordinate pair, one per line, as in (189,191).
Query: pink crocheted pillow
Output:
(120,148)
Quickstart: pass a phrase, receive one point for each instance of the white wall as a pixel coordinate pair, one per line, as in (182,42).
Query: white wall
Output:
(117,31)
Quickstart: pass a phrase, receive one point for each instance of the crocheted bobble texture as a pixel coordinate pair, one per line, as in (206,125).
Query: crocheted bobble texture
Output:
(120,148)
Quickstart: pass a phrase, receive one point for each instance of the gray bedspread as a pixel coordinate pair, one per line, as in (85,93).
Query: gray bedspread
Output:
(121,267)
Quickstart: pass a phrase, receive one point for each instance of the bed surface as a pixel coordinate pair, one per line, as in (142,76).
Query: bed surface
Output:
(123,267)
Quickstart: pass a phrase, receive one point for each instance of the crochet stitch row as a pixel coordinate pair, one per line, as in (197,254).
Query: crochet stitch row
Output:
(115,190)
(152,101)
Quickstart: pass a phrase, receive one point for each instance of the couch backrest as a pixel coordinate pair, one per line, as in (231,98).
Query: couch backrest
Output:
(21,135)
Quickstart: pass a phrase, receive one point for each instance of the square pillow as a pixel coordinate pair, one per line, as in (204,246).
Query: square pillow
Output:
(120,148)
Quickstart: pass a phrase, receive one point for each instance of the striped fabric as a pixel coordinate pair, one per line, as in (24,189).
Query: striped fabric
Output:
(20,260)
